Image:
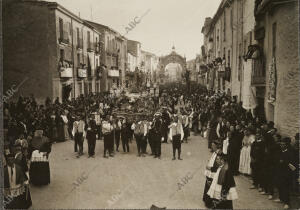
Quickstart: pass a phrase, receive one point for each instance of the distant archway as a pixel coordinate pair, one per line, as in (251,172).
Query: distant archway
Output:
(173,57)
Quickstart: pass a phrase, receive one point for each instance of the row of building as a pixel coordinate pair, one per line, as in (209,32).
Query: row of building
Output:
(63,55)
(250,52)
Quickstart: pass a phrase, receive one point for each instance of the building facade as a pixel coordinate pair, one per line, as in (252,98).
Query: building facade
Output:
(113,57)
(276,36)
(249,52)
(57,51)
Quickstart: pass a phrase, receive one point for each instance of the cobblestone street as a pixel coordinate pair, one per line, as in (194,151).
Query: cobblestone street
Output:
(128,181)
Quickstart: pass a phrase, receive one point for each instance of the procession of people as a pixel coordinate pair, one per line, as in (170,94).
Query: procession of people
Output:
(240,141)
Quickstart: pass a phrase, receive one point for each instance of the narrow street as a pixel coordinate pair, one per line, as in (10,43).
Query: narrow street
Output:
(127,181)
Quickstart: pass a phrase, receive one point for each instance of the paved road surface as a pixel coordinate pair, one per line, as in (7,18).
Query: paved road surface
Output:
(128,181)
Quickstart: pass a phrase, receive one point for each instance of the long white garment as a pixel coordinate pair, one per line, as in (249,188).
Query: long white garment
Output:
(225,146)
(15,189)
(215,189)
(174,125)
(65,119)
(245,158)
(210,164)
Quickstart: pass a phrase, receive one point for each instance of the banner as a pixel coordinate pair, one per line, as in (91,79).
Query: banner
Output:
(248,92)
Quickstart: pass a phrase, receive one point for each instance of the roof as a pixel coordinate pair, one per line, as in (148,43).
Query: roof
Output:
(223,4)
(104,27)
(264,5)
(148,53)
(54,5)
(133,41)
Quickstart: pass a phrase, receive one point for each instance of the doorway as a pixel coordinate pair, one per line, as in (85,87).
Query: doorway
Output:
(66,92)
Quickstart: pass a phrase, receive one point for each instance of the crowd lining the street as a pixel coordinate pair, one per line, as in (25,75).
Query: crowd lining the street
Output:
(240,142)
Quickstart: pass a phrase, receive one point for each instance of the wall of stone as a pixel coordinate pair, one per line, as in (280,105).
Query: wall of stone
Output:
(286,109)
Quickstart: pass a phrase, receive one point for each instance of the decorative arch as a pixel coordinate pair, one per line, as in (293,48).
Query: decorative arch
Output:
(173,57)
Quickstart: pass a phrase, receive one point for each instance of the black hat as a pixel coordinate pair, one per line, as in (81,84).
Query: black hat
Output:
(286,140)
(17,144)
(297,136)
(271,124)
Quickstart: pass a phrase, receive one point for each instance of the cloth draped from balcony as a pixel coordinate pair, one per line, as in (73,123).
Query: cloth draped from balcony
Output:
(249,99)
(272,82)
(89,65)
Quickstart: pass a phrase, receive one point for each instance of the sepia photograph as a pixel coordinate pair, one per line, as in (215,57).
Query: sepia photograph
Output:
(149,104)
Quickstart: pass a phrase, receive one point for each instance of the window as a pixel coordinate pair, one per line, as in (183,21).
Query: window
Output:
(90,88)
(96,44)
(61,28)
(250,37)
(231,19)
(228,61)
(78,59)
(274,39)
(96,87)
(77,33)
(70,28)
(80,88)
(62,55)
(107,43)
(218,40)
(240,62)
(88,39)
(224,26)
(97,62)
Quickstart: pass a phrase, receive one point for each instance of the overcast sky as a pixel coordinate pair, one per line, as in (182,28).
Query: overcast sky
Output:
(165,22)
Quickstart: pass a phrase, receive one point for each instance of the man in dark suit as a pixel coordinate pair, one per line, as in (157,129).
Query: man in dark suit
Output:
(15,181)
(257,159)
(157,126)
(165,123)
(91,132)
(285,170)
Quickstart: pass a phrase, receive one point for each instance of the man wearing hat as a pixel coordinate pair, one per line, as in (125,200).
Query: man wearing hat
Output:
(165,123)
(125,135)
(16,190)
(176,135)
(78,133)
(107,131)
(157,134)
(118,126)
(257,156)
(151,135)
(210,171)
(285,169)
(138,129)
(185,125)
(145,136)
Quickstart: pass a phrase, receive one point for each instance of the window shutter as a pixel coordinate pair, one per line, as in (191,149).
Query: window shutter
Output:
(66,31)
(68,54)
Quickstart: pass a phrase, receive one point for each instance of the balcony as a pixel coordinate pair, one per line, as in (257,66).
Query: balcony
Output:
(82,73)
(64,40)
(66,72)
